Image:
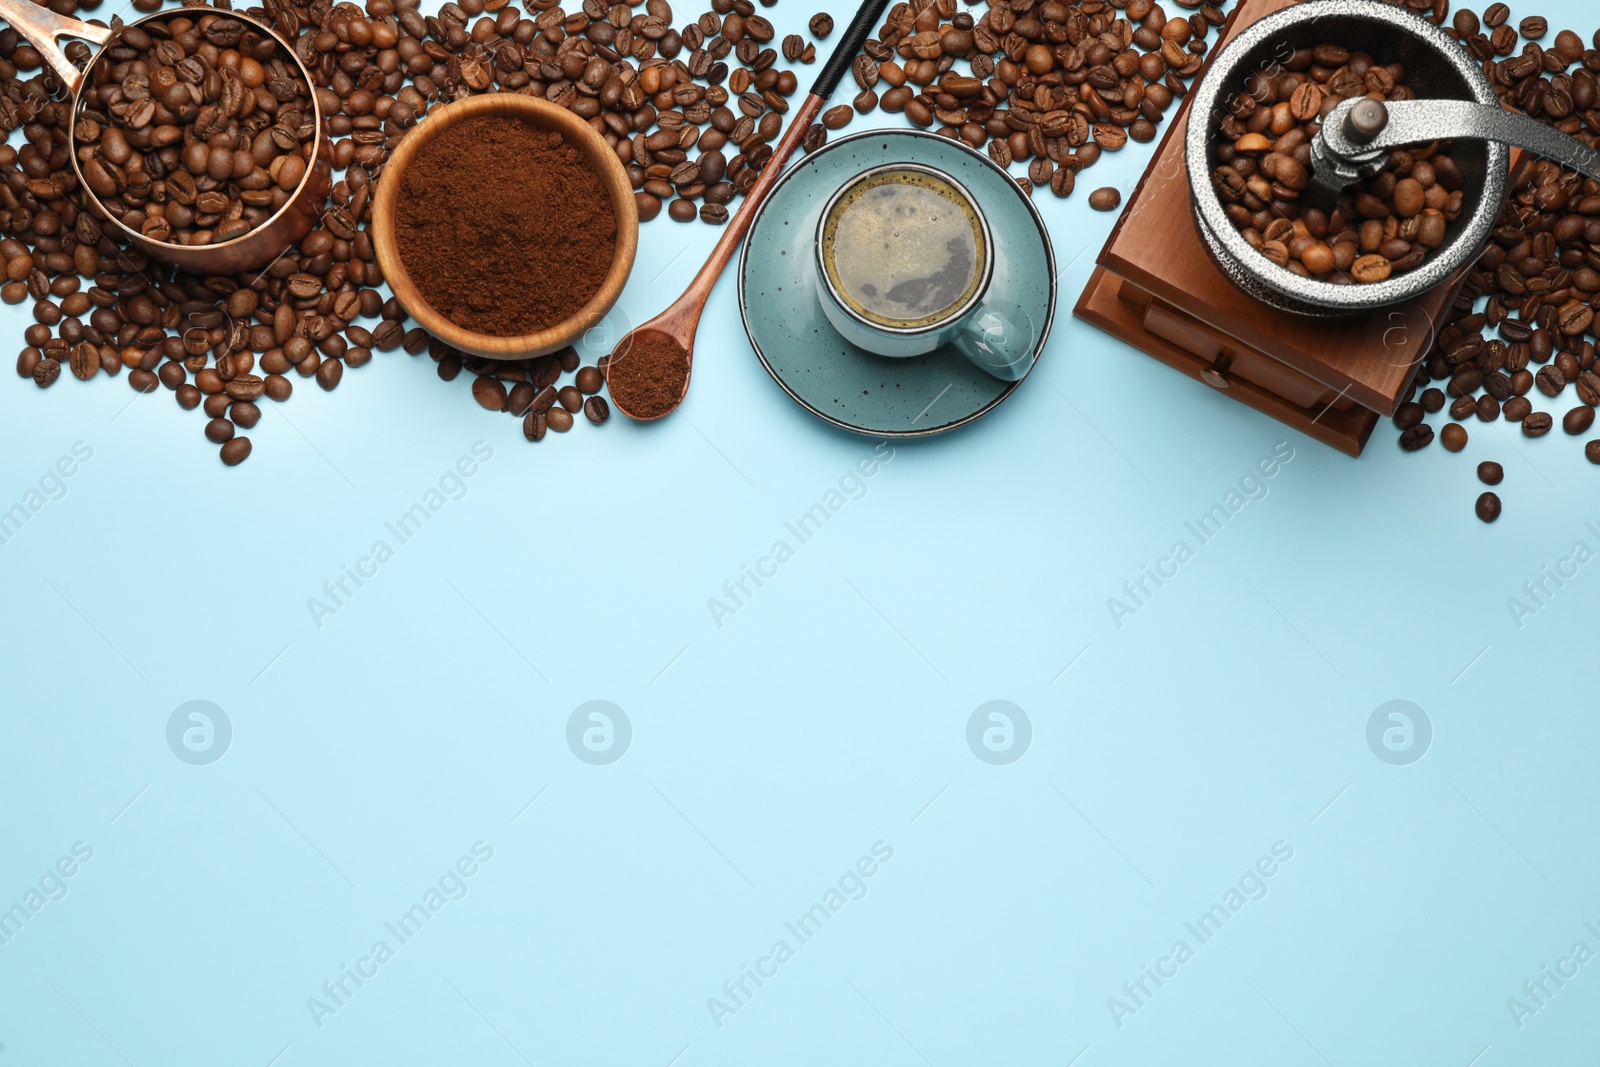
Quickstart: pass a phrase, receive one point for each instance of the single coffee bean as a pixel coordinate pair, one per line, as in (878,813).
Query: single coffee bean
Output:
(329,371)
(821,25)
(589,380)
(1490,472)
(1432,400)
(534,426)
(837,118)
(571,398)
(1488,408)
(1588,388)
(218,431)
(596,409)
(1454,437)
(1106,198)
(85,361)
(188,397)
(520,399)
(489,392)
(236,451)
(1591,451)
(1517,408)
(558,419)
(46,372)
(249,386)
(1463,407)
(1466,382)
(1537,424)
(1407,415)
(244,414)
(1567,364)
(1417,437)
(1487,507)
(1578,420)
(1550,381)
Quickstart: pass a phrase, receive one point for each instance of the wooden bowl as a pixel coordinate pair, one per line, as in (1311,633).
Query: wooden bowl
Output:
(543,115)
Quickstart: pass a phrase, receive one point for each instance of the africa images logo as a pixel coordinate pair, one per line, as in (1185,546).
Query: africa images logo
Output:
(199,732)
(599,732)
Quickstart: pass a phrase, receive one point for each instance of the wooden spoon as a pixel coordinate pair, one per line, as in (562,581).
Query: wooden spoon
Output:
(676,325)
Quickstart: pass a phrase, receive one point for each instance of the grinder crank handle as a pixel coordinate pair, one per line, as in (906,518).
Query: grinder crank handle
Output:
(1358,135)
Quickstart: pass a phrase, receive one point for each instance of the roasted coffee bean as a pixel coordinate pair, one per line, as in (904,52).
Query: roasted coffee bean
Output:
(558,419)
(1463,407)
(821,25)
(85,361)
(1567,364)
(46,372)
(1550,381)
(1407,415)
(329,371)
(520,399)
(596,410)
(1488,506)
(1537,424)
(1106,198)
(1591,451)
(244,414)
(236,451)
(489,392)
(1432,400)
(248,386)
(1588,388)
(1578,420)
(218,431)
(1516,409)
(534,426)
(1453,437)
(589,380)
(1490,472)
(1417,437)
(570,398)
(1466,382)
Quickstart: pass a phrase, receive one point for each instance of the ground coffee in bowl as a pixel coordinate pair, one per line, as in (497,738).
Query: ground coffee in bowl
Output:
(504,228)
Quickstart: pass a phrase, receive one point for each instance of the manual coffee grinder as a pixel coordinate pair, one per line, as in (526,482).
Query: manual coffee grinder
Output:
(1178,281)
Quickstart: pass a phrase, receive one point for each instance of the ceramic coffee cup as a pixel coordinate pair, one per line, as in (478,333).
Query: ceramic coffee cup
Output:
(896,242)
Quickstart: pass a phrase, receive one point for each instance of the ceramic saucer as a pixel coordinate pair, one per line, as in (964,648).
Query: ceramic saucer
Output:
(849,386)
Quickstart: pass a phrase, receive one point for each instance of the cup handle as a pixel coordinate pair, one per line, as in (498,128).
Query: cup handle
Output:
(993,342)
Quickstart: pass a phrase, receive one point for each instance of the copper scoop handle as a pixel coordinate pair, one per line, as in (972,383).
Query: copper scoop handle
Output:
(44,29)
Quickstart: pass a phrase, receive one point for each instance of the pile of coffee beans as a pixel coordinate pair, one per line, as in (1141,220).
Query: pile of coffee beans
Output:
(1047,85)
(221,343)
(1376,228)
(195,130)
(1523,326)
(527,388)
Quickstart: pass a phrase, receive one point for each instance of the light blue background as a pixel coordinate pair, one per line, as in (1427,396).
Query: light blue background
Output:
(769,753)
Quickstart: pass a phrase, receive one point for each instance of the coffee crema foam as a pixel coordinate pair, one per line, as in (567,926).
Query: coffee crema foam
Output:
(903,249)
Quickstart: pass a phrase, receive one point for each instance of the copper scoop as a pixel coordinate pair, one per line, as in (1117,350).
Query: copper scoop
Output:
(255,248)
